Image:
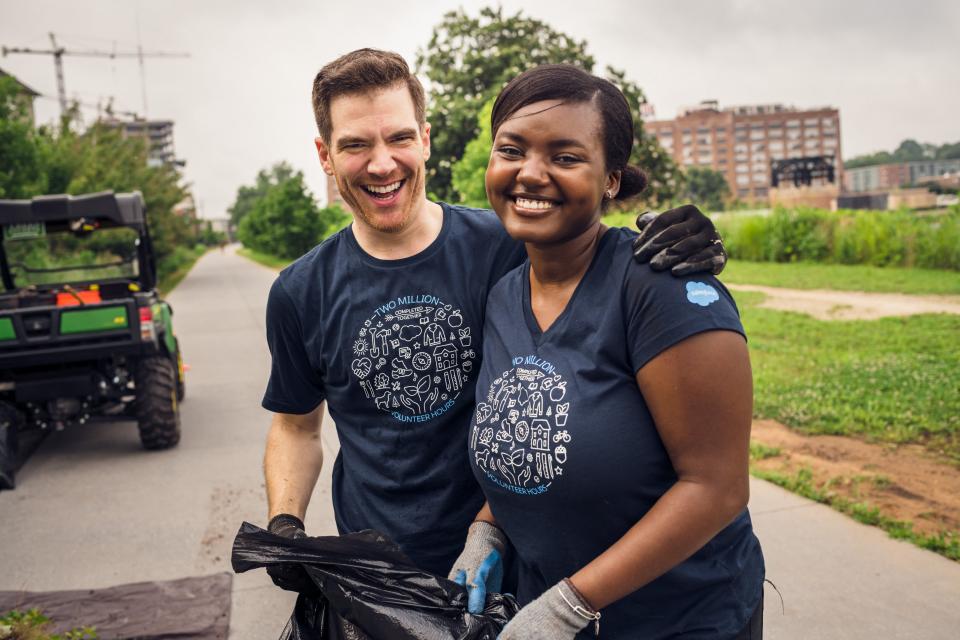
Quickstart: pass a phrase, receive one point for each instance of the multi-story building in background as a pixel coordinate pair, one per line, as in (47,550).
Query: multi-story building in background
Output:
(26,95)
(743,142)
(881,177)
(159,136)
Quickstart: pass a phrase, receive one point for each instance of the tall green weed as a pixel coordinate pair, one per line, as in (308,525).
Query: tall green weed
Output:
(878,238)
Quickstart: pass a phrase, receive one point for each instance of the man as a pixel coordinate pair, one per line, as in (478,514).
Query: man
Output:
(383,321)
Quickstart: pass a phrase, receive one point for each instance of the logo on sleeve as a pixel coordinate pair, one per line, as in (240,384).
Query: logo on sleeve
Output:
(701,293)
(413,357)
(519,437)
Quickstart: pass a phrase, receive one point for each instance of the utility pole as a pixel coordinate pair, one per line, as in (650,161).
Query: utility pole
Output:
(58,52)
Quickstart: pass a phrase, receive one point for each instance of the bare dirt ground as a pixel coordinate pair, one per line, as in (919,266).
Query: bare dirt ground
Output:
(904,482)
(851,305)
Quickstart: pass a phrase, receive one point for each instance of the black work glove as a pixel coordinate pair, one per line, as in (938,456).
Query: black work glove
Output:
(683,240)
(290,576)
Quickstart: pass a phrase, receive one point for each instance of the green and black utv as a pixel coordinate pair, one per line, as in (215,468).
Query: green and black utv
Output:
(84,333)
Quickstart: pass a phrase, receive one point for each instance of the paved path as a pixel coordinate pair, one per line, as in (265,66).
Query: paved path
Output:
(826,304)
(93,510)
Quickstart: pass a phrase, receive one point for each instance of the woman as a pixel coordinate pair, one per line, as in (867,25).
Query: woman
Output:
(614,403)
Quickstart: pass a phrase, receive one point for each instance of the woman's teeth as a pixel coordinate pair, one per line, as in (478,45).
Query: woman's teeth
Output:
(525,203)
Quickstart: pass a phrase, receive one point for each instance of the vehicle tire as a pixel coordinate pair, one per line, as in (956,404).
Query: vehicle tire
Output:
(158,411)
(181,377)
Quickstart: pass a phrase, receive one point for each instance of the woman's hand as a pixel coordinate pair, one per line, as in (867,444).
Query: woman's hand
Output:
(559,614)
(480,565)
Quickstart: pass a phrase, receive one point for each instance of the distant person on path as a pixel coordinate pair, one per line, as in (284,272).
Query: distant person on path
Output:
(614,403)
(383,320)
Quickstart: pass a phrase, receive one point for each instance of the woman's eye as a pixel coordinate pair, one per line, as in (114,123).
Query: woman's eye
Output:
(510,152)
(567,159)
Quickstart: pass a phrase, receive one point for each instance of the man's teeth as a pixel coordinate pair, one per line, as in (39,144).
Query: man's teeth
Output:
(385,188)
(525,203)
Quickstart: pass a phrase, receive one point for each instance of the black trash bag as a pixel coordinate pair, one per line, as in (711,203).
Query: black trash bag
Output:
(366,584)
(10,421)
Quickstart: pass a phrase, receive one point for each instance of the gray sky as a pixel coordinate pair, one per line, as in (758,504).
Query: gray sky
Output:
(242,101)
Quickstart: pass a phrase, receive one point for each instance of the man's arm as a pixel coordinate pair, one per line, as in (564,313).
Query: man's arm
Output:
(292,462)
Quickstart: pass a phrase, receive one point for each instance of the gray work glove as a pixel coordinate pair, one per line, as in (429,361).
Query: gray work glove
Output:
(290,577)
(683,240)
(480,565)
(552,616)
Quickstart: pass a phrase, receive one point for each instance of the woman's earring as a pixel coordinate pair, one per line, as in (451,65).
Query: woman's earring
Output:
(608,195)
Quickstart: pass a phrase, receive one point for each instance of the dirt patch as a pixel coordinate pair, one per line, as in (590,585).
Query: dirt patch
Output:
(903,481)
(850,305)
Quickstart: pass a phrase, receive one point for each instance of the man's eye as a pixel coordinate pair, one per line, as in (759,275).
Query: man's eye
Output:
(567,159)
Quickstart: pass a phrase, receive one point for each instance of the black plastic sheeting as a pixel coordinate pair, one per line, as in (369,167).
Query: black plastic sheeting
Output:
(369,590)
(186,609)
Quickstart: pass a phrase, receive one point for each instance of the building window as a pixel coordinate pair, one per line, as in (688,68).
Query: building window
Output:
(687,139)
(813,144)
(793,124)
(757,135)
(776,145)
(760,193)
(793,135)
(811,133)
(743,180)
(810,122)
(757,147)
(743,193)
(742,168)
(775,133)
(740,148)
(830,143)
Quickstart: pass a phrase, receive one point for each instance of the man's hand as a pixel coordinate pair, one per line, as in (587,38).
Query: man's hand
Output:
(683,240)
(480,566)
(559,614)
(291,577)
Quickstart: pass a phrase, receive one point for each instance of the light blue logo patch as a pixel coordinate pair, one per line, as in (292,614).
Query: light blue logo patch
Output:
(701,293)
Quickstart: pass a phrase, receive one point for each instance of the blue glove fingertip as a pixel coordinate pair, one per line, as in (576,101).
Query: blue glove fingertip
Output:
(461,578)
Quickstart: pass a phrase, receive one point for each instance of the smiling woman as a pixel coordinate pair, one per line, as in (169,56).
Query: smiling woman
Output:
(643,492)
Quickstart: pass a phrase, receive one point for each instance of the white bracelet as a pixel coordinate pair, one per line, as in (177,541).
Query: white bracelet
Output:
(583,612)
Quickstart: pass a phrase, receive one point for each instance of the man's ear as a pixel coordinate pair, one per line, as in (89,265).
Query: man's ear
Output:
(324,152)
(425,139)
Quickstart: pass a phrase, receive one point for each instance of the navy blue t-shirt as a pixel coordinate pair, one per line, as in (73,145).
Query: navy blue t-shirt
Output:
(569,457)
(393,346)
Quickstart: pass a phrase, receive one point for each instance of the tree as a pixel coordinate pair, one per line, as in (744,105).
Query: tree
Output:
(706,188)
(21,170)
(247,196)
(286,221)
(469,172)
(468,60)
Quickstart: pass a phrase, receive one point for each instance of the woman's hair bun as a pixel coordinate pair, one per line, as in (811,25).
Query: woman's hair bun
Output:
(632,182)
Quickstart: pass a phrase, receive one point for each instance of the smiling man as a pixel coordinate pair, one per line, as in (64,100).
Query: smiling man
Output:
(383,321)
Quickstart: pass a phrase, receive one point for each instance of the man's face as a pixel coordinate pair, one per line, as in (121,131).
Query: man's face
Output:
(377,152)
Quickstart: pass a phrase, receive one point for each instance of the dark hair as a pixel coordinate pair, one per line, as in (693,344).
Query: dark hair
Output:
(574,85)
(358,72)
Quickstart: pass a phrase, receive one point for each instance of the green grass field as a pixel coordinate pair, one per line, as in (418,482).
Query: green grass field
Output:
(805,275)
(262,258)
(890,380)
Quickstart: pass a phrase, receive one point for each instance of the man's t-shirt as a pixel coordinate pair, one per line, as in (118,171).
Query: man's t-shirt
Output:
(567,452)
(393,346)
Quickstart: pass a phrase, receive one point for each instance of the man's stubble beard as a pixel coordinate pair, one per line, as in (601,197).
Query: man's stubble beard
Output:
(373,220)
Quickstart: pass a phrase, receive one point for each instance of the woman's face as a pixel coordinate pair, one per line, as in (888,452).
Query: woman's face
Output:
(547,173)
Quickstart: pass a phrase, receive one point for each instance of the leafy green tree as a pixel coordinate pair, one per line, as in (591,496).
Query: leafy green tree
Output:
(706,188)
(470,59)
(21,161)
(248,195)
(469,172)
(467,62)
(286,222)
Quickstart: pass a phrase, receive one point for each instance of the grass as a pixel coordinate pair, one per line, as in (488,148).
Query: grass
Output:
(801,482)
(890,380)
(807,275)
(265,259)
(170,280)
(32,625)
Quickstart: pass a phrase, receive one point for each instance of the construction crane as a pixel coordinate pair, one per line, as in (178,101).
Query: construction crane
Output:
(58,52)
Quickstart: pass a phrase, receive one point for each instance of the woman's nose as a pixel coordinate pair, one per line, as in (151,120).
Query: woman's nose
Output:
(532,172)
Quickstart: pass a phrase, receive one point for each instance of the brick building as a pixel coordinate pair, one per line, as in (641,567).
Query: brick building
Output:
(882,177)
(743,142)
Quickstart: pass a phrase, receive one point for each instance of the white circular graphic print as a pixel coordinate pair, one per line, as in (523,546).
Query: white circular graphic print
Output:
(519,438)
(413,357)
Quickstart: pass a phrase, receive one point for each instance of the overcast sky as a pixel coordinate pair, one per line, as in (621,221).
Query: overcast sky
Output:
(242,101)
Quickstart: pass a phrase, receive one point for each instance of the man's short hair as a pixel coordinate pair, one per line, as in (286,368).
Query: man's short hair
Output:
(361,71)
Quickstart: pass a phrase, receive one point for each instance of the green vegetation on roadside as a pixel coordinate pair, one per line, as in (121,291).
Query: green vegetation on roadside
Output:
(890,380)
(842,277)
(175,267)
(32,625)
(802,483)
(265,259)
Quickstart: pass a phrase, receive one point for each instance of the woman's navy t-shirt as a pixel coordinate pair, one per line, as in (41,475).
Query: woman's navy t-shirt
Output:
(569,457)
